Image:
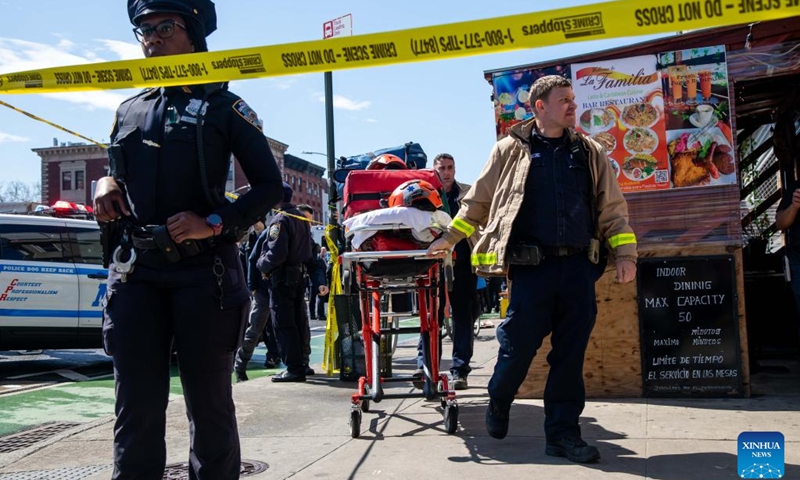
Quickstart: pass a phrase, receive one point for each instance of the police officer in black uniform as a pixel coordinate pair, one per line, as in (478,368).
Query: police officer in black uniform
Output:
(175,274)
(287,259)
(259,324)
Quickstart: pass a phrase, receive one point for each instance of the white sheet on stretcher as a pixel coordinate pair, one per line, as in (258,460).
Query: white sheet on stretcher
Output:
(423,225)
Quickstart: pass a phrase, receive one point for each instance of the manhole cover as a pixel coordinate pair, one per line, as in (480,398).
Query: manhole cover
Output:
(180,471)
(73,473)
(31,437)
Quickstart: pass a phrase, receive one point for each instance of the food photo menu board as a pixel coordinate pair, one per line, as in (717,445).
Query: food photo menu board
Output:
(664,119)
(621,106)
(510,95)
(699,139)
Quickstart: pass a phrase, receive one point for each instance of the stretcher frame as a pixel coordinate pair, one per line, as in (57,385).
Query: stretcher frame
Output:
(425,283)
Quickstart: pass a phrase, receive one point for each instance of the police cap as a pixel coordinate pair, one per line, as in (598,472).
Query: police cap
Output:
(288,192)
(202,12)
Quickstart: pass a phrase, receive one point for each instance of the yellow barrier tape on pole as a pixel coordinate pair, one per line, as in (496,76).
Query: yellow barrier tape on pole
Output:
(330,361)
(622,18)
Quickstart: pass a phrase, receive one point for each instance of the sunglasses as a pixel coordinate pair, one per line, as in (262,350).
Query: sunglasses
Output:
(164,30)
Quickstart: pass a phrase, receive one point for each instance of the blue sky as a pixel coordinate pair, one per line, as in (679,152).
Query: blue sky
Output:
(444,105)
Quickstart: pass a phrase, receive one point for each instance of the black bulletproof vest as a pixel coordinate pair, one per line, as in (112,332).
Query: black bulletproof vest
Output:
(556,209)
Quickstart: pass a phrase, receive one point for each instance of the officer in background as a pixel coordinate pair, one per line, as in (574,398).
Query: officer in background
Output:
(259,323)
(248,241)
(285,263)
(175,272)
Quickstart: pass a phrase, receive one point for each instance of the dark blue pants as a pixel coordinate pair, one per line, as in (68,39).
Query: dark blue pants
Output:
(142,317)
(316,304)
(291,327)
(463,304)
(794,269)
(556,296)
(259,325)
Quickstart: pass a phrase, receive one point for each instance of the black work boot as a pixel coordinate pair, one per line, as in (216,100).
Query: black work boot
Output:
(271,363)
(574,448)
(497,419)
(285,376)
(241,376)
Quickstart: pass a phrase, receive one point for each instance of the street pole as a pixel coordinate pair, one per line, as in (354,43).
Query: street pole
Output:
(331,148)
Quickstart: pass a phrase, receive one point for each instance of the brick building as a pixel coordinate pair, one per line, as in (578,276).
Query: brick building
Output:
(308,184)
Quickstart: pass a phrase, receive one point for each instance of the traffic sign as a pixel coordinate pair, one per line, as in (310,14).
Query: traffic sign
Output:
(338,27)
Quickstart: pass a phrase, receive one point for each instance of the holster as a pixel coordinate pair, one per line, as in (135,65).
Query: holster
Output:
(288,276)
(594,251)
(524,254)
(174,252)
(165,243)
(110,236)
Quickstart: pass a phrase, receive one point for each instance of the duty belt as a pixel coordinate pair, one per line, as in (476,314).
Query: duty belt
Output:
(562,251)
(157,238)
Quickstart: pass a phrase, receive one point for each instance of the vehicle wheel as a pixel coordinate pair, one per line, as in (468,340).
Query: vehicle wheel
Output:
(355,423)
(365,403)
(451,419)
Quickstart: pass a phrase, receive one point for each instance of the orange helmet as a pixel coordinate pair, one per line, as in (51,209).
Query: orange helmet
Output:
(387,161)
(416,193)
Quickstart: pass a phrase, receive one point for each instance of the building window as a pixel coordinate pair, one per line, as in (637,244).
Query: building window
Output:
(73,180)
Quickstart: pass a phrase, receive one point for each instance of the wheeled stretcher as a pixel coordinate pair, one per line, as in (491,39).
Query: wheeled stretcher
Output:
(393,263)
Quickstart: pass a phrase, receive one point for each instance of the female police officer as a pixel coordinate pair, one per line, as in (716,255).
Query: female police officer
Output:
(175,275)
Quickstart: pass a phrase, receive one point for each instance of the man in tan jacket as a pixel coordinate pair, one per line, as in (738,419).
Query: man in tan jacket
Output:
(546,199)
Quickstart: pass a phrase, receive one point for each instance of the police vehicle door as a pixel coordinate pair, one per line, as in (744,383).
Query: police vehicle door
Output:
(88,259)
(38,284)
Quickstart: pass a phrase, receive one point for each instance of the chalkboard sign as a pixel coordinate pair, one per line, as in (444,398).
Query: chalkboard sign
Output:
(689,327)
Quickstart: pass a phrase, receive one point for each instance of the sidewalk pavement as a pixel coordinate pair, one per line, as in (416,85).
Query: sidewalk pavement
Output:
(301,432)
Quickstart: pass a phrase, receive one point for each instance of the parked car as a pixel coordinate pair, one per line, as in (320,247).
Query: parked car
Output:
(52,283)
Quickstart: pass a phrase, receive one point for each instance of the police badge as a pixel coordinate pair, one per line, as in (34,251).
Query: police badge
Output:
(274,231)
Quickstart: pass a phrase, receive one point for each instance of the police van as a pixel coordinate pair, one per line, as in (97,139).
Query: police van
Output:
(52,282)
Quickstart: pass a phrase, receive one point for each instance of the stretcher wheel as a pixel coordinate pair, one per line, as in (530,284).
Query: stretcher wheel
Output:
(365,403)
(355,423)
(346,281)
(476,326)
(451,419)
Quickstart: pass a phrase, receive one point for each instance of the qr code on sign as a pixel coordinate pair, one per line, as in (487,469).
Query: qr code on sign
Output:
(662,176)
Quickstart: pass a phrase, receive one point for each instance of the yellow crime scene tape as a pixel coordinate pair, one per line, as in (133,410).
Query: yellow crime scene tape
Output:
(235,196)
(624,18)
(54,125)
(330,360)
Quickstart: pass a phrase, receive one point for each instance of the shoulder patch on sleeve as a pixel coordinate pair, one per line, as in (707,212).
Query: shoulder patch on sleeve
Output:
(274,231)
(243,109)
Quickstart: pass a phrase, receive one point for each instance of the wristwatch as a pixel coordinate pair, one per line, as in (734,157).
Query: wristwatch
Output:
(215,222)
